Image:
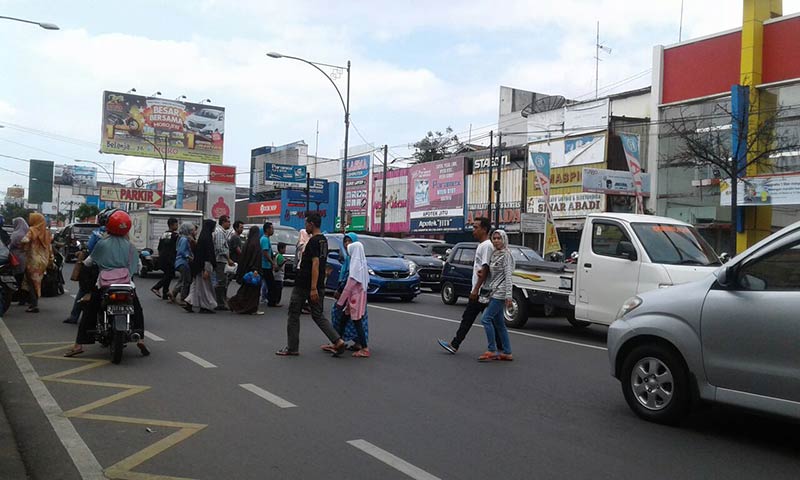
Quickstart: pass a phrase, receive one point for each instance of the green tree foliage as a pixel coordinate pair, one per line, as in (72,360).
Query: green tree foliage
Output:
(85,211)
(436,146)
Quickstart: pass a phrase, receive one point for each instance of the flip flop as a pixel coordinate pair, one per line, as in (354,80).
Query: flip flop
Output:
(156,292)
(72,353)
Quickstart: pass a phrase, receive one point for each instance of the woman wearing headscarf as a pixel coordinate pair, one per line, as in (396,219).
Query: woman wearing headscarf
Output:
(246,299)
(350,333)
(352,302)
(38,256)
(201,293)
(17,248)
(183,258)
(501,267)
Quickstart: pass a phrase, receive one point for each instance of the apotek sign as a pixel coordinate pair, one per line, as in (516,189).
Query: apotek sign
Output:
(130,195)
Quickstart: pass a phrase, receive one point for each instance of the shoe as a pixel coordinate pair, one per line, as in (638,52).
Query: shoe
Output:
(143,349)
(487,357)
(32,310)
(447,346)
(506,357)
(258,313)
(85,298)
(188,307)
(156,292)
(285,352)
(205,310)
(70,320)
(338,351)
(363,353)
(73,352)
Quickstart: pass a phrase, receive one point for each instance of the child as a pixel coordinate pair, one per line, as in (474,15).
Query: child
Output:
(281,262)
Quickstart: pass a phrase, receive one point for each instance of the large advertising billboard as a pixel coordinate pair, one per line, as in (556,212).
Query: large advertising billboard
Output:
(396,201)
(141,126)
(762,190)
(277,175)
(75,176)
(220,200)
(436,191)
(357,200)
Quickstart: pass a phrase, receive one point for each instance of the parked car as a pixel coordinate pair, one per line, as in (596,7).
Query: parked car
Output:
(72,238)
(457,270)
(730,337)
(285,234)
(429,268)
(438,250)
(389,274)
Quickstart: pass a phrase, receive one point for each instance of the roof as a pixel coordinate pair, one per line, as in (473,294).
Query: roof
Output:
(634,218)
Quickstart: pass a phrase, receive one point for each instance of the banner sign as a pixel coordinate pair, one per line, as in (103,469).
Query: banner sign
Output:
(630,143)
(396,201)
(436,193)
(222,174)
(141,126)
(532,222)
(357,195)
(509,214)
(75,176)
(569,205)
(613,182)
(284,176)
(763,190)
(220,200)
(318,193)
(270,208)
(541,166)
(130,195)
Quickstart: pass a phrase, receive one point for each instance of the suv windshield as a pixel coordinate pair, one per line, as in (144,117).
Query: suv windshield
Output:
(406,247)
(675,244)
(376,247)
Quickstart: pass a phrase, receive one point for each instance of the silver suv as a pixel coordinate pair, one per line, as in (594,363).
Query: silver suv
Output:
(731,338)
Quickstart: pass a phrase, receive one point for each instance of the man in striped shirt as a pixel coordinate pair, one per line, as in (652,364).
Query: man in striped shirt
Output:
(222,252)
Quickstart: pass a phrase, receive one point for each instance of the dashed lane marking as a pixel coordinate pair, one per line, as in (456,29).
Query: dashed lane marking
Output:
(270,397)
(194,358)
(515,332)
(393,461)
(153,337)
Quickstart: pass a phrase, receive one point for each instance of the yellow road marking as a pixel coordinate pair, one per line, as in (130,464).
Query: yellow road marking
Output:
(122,469)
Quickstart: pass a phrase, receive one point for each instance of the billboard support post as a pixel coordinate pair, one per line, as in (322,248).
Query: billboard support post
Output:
(179,194)
(308,192)
(383,190)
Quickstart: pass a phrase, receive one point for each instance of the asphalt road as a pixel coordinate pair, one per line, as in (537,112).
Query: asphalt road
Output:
(410,411)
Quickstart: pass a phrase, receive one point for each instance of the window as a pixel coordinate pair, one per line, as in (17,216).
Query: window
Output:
(466,256)
(778,271)
(675,244)
(606,238)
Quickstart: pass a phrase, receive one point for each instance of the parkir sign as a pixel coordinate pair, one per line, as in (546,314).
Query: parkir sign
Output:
(130,195)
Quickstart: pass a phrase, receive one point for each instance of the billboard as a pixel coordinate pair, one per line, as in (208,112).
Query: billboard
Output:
(762,190)
(613,182)
(221,174)
(220,200)
(75,176)
(130,195)
(357,195)
(284,176)
(293,213)
(436,194)
(569,205)
(141,126)
(317,193)
(396,201)
(271,208)
(40,181)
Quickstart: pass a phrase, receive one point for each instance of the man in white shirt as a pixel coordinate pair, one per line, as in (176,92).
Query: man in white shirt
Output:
(478,297)
(222,252)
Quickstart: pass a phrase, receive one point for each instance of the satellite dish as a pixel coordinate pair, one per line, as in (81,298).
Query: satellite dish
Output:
(543,104)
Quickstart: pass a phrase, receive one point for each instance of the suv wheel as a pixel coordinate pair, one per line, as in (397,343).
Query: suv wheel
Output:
(449,296)
(655,383)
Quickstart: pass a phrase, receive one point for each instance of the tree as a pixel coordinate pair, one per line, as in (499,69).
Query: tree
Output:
(768,133)
(12,210)
(85,211)
(436,146)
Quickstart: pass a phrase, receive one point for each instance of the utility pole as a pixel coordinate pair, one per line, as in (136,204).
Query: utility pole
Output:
(491,156)
(164,187)
(497,182)
(383,189)
(308,191)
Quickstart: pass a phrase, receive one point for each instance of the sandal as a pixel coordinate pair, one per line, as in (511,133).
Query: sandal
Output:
(72,352)
(285,352)
(487,356)
(156,292)
(143,349)
(363,353)
(338,351)
(506,357)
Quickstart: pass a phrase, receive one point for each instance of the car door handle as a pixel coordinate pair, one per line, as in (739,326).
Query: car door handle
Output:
(587,265)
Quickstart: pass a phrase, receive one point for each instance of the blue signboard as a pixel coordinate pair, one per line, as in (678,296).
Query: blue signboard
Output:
(95,200)
(284,176)
(317,193)
(293,212)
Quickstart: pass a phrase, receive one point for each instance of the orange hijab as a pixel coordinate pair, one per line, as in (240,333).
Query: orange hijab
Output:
(38,234)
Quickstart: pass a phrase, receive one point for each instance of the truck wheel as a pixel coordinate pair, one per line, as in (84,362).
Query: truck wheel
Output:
(449,296)
(517,315)
(575,322)
(655,383)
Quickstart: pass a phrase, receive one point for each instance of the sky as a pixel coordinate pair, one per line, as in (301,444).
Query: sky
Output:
(416,66)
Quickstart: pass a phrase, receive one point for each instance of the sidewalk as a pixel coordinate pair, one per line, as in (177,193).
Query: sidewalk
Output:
(11,466)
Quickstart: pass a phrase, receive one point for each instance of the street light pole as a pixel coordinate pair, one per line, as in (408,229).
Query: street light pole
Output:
(46,26)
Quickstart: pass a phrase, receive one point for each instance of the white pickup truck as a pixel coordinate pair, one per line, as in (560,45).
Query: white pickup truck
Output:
(620,255)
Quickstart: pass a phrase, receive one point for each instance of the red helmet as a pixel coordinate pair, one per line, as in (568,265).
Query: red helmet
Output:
(119,223)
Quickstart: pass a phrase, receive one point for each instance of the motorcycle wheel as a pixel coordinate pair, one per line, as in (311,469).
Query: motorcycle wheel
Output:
(117,343)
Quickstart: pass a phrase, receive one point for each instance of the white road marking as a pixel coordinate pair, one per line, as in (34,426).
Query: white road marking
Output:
(524,334)
(197,360)
(153,337)
(272,398)
(85,462)
(393,461)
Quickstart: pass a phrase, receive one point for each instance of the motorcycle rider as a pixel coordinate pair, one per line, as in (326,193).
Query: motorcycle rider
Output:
(114,251)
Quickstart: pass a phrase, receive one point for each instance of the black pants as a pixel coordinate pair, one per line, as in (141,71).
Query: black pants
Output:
(88,320)
(273,294)
(166,279)
(467,319)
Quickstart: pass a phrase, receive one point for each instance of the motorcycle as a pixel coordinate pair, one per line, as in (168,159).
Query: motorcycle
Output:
(8,284)
(114,319)
(148,262)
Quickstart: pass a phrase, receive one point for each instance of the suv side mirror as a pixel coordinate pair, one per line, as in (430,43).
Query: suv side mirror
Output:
(626,249)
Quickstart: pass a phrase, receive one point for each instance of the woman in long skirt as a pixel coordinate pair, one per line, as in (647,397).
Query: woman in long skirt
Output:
(353,301)
(38,256)
(246,299)
(201,293)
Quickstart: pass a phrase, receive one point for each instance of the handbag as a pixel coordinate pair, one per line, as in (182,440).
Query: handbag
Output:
(76,270)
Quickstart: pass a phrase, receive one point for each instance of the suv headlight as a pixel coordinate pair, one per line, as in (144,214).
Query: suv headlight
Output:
(412,267)
(630,305)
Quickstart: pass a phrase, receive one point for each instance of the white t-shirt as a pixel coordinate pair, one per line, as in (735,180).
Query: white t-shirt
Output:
(482,256)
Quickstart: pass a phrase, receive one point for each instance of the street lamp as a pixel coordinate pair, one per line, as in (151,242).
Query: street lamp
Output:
(113,167)
(345,105)
(205,100)
(45,25)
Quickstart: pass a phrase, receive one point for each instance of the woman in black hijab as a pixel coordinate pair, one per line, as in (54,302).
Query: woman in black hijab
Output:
(246,299)
(201,293)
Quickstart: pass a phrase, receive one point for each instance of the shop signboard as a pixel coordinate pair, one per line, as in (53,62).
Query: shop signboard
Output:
(293,213)
(317,193)
(613,182)
(630,144)
(284,176)
(220,200)
(357,194)
(569,205)
(436,193)
(271,208)
(396,201)
(130,195)
(146,126)
(222,173)
(763,190)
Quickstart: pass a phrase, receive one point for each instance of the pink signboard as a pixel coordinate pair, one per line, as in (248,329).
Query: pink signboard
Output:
(396,201)
(436,194)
